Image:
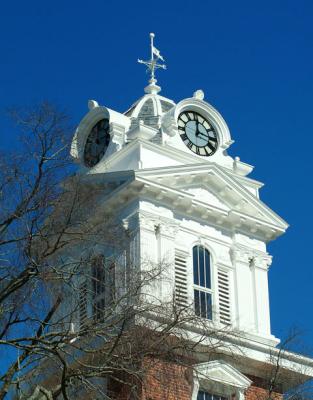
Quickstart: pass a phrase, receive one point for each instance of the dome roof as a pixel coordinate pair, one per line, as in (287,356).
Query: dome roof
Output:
(149,109)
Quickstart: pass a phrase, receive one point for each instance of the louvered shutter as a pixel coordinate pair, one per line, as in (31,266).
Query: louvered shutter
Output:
(181,288)
(82,304)
(224,297)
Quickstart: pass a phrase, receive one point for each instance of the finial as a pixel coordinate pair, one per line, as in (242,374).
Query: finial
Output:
(92,104)
(152,65)
(199,94)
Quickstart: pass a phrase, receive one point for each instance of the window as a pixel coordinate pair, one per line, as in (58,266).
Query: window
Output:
(96,291)
(103,286)
(220,378)
(208,396)
(98,288)
(202,282)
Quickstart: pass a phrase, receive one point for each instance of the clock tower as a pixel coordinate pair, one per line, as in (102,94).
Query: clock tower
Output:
(166,174)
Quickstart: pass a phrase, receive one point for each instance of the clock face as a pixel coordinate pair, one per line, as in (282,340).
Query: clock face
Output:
(197,133)
(97,142)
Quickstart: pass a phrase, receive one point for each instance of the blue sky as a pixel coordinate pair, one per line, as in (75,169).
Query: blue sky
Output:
(252,59)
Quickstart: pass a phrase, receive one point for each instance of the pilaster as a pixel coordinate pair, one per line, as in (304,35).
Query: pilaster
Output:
(245,307)
(251,284)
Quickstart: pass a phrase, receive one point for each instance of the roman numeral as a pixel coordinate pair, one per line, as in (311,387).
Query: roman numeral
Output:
(184,118)
(191,116)
(210,146)
(198,151)
(184,137)
(206,151)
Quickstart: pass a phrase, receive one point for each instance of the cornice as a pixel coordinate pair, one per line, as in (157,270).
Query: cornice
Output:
(149,185)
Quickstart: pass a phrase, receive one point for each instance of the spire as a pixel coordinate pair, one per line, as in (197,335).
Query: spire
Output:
(153,65)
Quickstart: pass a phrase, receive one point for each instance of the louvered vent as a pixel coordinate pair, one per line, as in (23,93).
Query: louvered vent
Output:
(224,297)
(82,303)
(181,292)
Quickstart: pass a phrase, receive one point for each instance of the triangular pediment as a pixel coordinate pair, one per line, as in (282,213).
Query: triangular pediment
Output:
(219,191)
(204,191)
(223,373)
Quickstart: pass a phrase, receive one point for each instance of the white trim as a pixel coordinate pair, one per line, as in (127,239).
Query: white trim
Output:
(209,374)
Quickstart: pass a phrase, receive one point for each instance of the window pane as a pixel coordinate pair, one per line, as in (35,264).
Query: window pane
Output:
(203,304)
(111,283)
(200,395)
(207,270)
(195,265)
(208,306)
(201,265)
(208,396)
(98,276)
(197,303)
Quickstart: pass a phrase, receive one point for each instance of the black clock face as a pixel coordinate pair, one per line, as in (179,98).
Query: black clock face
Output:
(97,142)
(197,133)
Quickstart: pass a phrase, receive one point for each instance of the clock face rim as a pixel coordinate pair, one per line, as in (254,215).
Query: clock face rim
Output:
(186,138)
(90,140)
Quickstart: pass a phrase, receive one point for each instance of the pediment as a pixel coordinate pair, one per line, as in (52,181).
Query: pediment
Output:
(219,191)
(203,191)
(203,194)
(223,373)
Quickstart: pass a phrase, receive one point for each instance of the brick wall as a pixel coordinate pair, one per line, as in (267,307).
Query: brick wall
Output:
(257,393)
(165,380)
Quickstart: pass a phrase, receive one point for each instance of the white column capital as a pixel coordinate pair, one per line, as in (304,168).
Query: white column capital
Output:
(240,255)
(261,261)
(167,228)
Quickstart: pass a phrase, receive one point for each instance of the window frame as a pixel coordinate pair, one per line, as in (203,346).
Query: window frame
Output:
(96,289)
(106,296)
(214,396)
(220,378)
(197,287)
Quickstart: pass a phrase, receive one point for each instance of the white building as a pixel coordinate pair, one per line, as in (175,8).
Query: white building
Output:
(165,170)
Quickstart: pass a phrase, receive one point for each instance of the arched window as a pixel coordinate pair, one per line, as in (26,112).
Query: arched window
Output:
(202,282)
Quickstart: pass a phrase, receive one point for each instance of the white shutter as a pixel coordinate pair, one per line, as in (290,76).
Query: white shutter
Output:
(224,297)
(181,288)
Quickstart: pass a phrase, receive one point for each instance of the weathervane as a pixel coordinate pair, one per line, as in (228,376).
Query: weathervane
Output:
(152,65)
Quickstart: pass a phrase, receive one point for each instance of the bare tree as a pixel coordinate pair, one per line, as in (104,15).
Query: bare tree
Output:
(277,379)
(76,311)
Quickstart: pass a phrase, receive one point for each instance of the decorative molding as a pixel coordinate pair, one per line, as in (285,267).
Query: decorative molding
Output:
(262,262)
(255,258)
(197,104)
(240,255)
(169,229)
(147,222)
(117,132)
(83,130)
(119,123)
(218,375)
(151,222)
